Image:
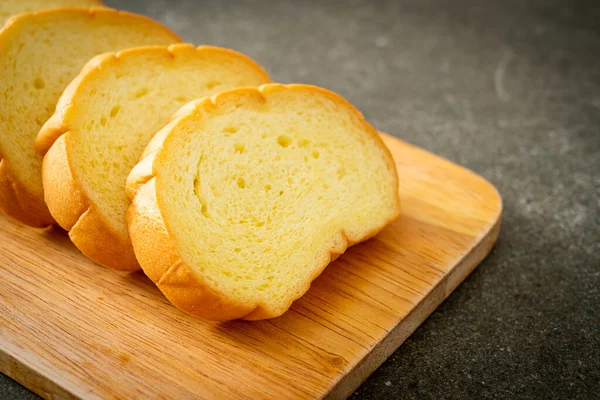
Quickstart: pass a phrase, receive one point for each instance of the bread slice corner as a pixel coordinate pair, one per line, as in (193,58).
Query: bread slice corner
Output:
(254,192)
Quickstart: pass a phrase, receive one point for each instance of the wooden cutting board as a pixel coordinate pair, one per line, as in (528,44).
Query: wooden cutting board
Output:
(72,329)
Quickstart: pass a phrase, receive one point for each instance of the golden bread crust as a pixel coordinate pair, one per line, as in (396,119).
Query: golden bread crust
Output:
(157,252)
(73,212)
(150,234)
(18,203)
(23,8)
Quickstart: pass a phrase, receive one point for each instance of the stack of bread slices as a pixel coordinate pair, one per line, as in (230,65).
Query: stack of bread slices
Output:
(230,192)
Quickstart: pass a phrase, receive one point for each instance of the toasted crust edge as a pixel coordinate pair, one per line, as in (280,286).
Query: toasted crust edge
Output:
(162,264)
(97,4)
(150,233)
(74,213)
(100,8)
(18,203)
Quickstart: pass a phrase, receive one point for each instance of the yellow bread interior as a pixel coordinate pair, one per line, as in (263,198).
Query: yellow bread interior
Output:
(121,100)
(260,188)
(9,8)
(40,53)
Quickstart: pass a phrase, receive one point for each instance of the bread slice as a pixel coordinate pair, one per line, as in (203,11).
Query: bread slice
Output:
(40,53)
(9,8)
(105,119)
(245,197)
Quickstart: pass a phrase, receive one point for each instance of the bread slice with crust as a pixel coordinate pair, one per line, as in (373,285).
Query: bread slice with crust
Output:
(40,53)
(244,198)
(103,122)
(9,8)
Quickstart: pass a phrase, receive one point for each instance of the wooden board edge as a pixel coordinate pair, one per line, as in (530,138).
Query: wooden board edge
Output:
(37,382)
(359,373)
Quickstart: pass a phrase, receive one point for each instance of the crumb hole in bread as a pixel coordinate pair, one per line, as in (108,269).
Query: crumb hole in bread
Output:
(203,208)
(230,130)
(267,188)
(237,249)
(103,121)
(239,148)
(182,99)
(212,84)
(303,142)
(141,92)
(114,111)
(39,83)
(281,192)
(284,141)
(260,224)
(341,172)
(241,183)
(315,154)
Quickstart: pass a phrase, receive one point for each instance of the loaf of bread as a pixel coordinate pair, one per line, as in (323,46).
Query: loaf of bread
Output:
(244,198)
(40,53)
(102,124)
(9,8)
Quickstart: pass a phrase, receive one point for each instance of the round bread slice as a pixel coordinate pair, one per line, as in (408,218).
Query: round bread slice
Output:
(244,198)
(40,53)
(9,8)
(103,122)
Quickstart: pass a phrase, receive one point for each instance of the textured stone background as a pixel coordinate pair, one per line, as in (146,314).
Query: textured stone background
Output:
(509,90)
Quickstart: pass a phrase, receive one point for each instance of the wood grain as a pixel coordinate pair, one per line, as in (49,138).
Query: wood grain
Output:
(72,329)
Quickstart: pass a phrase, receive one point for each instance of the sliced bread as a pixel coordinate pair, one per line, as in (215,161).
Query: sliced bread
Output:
(103,122)
(9,8)
(40,53)
(244,198)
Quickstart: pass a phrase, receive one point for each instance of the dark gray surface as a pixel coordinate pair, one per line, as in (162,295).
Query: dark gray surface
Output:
(511,91)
